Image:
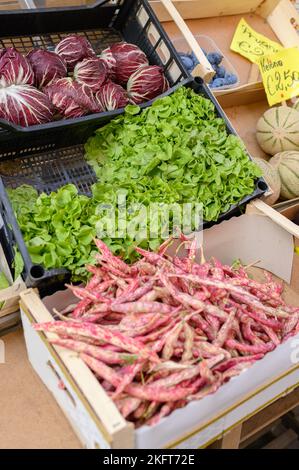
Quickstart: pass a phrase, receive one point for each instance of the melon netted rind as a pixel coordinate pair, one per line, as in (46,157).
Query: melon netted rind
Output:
(278,130)
(287,164)
(271,176)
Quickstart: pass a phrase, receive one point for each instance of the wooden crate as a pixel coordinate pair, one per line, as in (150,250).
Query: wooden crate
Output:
(65,3)
(11,5)
(94,416)
(258,425)
(9,298)
(276,19)
(25,4)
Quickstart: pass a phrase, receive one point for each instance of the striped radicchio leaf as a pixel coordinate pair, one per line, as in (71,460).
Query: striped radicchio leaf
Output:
(47,66)
(91,72)
(71,99)
(24,105)
(112,96)
(15,69)
(73,49)
(128,59)
(146,83)
(109,60)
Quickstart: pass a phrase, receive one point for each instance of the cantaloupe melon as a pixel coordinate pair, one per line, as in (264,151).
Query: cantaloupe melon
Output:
(271,176)
(287,164)
(278,130)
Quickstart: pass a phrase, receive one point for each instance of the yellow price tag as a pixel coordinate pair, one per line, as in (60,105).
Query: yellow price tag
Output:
(251,44)
(280,74)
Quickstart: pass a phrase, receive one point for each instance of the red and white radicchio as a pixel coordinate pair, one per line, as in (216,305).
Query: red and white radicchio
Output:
(71,99)
(109,60)
(146,83)
(91,72)
(112,96)
(15,69)
(47,66)
(24,105)
(73,49)
(128,59)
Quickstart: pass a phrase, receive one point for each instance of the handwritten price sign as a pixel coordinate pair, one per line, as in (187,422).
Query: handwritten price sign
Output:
(252,45)
(280,74)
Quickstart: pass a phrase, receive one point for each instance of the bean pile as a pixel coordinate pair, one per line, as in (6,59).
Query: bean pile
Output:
(167,330)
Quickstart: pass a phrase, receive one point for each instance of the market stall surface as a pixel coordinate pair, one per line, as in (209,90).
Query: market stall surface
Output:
(30,417)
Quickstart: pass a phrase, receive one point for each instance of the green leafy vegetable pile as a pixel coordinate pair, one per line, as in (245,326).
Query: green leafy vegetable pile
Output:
(58,228)
(177,150)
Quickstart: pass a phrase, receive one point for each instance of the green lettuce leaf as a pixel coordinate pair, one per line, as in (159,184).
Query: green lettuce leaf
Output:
(176,151)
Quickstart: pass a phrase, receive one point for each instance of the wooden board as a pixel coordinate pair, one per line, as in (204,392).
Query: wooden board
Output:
(195,8)
(65,3)
(10,5)
(244,119)
(230,440)
(284,20)
(270,414)
(9,297)
(282,441)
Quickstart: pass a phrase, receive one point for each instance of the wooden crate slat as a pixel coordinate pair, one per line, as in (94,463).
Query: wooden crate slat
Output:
(113,424)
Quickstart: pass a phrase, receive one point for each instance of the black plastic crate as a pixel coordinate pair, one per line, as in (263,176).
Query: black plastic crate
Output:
(102,24)
(49,170)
